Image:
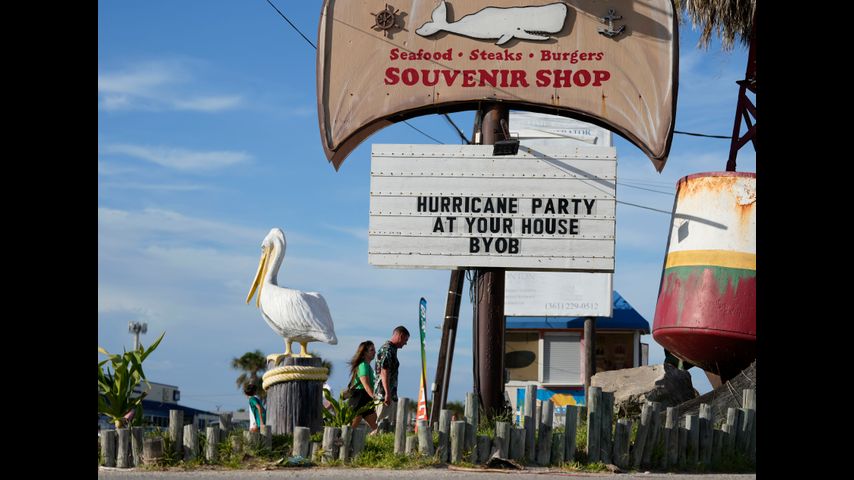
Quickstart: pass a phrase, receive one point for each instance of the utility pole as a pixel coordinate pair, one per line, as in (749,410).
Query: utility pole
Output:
(490,288)
(136,328)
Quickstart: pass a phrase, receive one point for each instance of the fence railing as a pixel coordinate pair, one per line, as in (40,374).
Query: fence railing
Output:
(658,439)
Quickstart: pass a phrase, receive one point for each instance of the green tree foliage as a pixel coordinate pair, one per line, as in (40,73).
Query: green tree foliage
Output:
(251,364)
(342,413)
(115,388)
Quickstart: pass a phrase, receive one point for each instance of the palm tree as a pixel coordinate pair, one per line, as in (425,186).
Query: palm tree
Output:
(729,19)
(251,363)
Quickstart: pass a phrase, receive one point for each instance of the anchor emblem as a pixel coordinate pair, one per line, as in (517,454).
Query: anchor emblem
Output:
(609,19)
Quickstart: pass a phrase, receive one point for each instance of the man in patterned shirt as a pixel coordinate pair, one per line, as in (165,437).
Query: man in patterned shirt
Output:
(385,385)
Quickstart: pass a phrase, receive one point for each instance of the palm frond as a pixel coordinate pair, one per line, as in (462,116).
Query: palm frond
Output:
(731,20)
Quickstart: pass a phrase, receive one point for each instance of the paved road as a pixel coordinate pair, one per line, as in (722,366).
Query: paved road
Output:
(377,474)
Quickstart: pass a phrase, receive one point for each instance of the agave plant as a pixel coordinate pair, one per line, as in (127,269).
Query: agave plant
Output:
(115,388)
(343,413)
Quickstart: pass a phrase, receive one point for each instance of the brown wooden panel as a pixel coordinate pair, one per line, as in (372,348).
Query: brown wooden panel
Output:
(626,83)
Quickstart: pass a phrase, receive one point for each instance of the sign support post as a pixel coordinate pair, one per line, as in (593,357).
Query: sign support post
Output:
(489,340)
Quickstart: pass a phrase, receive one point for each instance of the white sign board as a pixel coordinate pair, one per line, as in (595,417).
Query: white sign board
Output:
(449,206)
(558,294)
(539,130)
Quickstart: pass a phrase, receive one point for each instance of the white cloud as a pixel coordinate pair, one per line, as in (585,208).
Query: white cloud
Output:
(357,233)
(153,186)
(179,158)
(157,86)
(209,104)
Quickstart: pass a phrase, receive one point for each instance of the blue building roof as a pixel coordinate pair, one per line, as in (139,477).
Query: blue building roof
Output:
(158,409)
(625,317)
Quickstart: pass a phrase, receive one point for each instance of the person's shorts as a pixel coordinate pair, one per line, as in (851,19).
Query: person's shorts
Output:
(359,400)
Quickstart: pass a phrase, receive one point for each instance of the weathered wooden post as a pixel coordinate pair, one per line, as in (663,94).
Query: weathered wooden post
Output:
(644,430)
(682,442)
(655,434)
(302,442)
(692,423)
(502,439)
(330,435)
(236,440)
(717,446)
(251,439)
(400,426)
(529,423)
(622,436)
(483,445)
(732,424)
(444,435)
(458,432)
(706,434)
(360,436)
(224,424)
(671,439)
(746,427)
(749,402)
(191,442)
(606,441)
(295,394)
(152,450)
(108,447)
(594,425)
(267,437)
(136,437)
(411,440)
(472,416)
(558,448)
(517,443)
(571,428)
(315,450)
(425,438)
(176,431)
(122,447)
(544,436)
(346,443)
(212,435)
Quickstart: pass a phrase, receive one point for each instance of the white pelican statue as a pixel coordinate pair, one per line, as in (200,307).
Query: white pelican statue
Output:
(295,315)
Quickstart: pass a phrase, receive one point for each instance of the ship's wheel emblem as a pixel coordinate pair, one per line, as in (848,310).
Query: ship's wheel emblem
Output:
(386,20)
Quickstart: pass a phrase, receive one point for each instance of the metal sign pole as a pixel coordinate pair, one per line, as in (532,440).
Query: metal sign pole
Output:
(490,307)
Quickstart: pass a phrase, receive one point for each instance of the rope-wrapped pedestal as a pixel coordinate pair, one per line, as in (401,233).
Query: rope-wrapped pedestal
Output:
(295,395)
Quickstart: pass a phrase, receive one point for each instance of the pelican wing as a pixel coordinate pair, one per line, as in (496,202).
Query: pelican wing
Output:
(298,315)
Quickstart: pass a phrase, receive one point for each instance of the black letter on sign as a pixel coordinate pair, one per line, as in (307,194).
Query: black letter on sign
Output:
(437,227)
(474,245)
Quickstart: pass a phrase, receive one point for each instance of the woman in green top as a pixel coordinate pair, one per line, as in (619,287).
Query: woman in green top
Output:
(362,379)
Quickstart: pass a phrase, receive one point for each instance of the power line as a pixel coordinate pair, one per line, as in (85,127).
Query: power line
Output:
(315,47)
(422,133)
(460,132)
(642,188)
(292,25)
(703,135)
(645,208)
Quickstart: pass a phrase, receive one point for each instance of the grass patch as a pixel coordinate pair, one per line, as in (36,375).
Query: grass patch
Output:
(584,467)
(379,453)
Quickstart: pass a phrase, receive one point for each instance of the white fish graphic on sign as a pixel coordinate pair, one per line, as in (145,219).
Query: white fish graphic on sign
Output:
(527,23)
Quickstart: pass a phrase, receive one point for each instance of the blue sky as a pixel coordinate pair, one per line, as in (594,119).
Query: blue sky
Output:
(208,137)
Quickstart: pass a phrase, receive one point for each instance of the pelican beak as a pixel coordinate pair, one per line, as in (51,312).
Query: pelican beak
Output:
(259,276)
